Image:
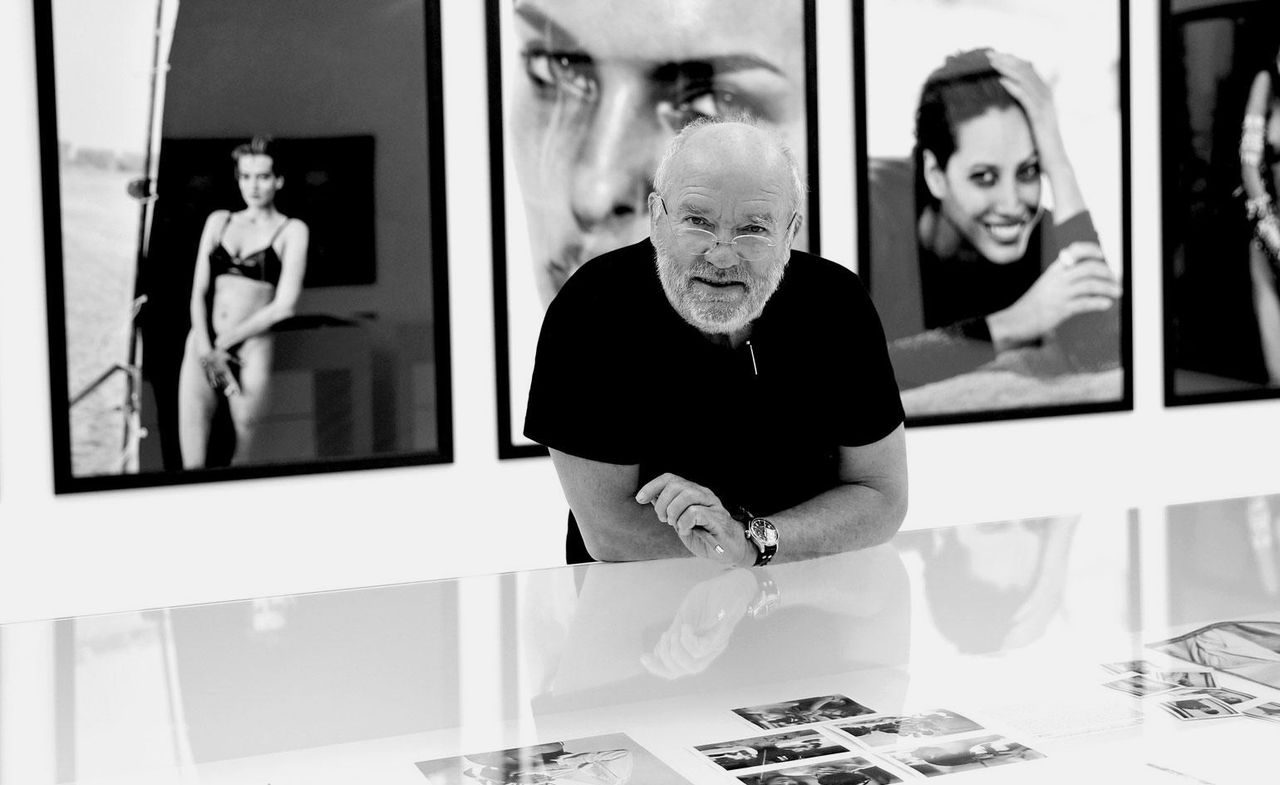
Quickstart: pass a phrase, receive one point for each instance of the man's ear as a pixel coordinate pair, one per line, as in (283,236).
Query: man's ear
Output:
(655,210)
(934,177)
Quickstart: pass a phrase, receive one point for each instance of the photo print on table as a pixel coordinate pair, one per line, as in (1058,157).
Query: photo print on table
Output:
(777,748)
(611,758)
(244,244)
(1198,709)
(584,96)
(993,203)
(1224,695)
(887,730)
(1248,649)
(1140,686)
(805,711)
(1132,666)
(977,752)
(1266,711)
(853,771)
(1194,679)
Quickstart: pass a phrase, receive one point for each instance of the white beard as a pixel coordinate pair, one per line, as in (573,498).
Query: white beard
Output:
(704,310)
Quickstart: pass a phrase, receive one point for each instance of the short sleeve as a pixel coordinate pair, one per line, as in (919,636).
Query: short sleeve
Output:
(581,401)
(870,405)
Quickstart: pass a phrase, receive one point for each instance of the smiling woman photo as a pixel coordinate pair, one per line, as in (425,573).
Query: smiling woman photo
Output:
(1000,252)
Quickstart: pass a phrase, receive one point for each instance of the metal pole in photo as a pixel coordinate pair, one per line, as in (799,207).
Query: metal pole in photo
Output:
(145,192)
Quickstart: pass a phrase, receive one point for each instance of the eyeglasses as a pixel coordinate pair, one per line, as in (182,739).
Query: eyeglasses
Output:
(699,242)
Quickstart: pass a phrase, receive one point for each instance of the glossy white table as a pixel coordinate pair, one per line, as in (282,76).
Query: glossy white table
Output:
(1007,624)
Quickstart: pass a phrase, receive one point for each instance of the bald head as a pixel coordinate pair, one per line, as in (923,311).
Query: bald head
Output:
(712,144)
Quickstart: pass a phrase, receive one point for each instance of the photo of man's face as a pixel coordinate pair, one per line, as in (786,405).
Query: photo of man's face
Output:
(601,86)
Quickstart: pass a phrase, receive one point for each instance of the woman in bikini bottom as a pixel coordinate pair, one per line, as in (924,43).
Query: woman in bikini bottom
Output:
(248,276)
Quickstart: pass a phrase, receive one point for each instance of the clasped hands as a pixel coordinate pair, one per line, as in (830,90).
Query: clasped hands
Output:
(217,366)
(703,524)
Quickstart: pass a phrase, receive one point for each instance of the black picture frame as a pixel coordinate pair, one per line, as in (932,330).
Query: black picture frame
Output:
(366,355)
(506,290)
(1215,342)
(966,396)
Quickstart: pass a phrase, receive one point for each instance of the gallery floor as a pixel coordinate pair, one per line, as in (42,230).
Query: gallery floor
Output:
(1022,651)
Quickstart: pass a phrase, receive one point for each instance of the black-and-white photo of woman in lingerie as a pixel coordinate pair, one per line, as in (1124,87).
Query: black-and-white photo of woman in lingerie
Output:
(249,273)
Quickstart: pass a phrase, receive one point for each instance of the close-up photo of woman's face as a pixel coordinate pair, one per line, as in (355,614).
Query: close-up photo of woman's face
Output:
(989,189)
(604,86)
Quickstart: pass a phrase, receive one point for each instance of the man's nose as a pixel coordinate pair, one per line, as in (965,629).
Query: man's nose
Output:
(613,173)
(723,256)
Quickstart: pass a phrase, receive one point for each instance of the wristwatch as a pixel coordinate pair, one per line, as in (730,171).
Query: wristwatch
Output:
(761,533)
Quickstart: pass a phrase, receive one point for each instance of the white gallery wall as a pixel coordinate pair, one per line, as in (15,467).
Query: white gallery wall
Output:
(98,552)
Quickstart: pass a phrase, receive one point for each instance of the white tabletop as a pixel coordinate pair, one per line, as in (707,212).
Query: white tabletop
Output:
(1008,624)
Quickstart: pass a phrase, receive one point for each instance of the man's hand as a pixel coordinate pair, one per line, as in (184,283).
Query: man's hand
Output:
(703,524)
(702,626)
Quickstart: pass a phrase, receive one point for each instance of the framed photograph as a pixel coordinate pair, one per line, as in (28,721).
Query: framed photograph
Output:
(992,157)
(584,96)
(1221,135)
(245,238)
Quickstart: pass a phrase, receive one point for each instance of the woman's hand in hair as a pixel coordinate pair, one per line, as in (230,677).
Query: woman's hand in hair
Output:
(1022,81)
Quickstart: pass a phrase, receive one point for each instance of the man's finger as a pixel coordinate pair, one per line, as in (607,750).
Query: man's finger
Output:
(653,487)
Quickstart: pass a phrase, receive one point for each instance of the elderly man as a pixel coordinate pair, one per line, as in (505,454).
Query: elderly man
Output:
(710,391)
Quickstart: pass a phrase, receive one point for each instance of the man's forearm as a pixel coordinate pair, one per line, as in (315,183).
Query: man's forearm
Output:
(628,531)
(848,517)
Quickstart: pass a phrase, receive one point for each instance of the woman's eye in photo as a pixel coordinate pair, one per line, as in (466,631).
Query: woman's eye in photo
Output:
(1029,173)
(710,103)
(562,73)
(984,179)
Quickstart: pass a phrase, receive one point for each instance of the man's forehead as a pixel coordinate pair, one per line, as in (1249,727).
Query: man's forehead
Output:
(672,31)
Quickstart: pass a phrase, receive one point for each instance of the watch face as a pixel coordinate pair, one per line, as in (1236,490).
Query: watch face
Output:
(763,532)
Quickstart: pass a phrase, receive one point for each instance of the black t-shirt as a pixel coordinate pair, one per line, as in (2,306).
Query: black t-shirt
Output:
(619,377)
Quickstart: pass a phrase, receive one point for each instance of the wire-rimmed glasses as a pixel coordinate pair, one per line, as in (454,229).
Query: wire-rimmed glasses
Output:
(699,242)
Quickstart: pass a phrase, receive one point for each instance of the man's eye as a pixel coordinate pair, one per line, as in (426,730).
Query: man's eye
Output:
(564,73)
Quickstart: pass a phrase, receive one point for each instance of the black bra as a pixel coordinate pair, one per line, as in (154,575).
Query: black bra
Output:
(262,265)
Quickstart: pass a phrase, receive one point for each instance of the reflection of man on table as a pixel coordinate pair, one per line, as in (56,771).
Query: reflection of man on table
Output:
(712,376)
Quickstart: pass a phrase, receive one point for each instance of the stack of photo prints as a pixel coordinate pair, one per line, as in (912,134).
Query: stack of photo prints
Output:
(1187,695)
(826,739)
